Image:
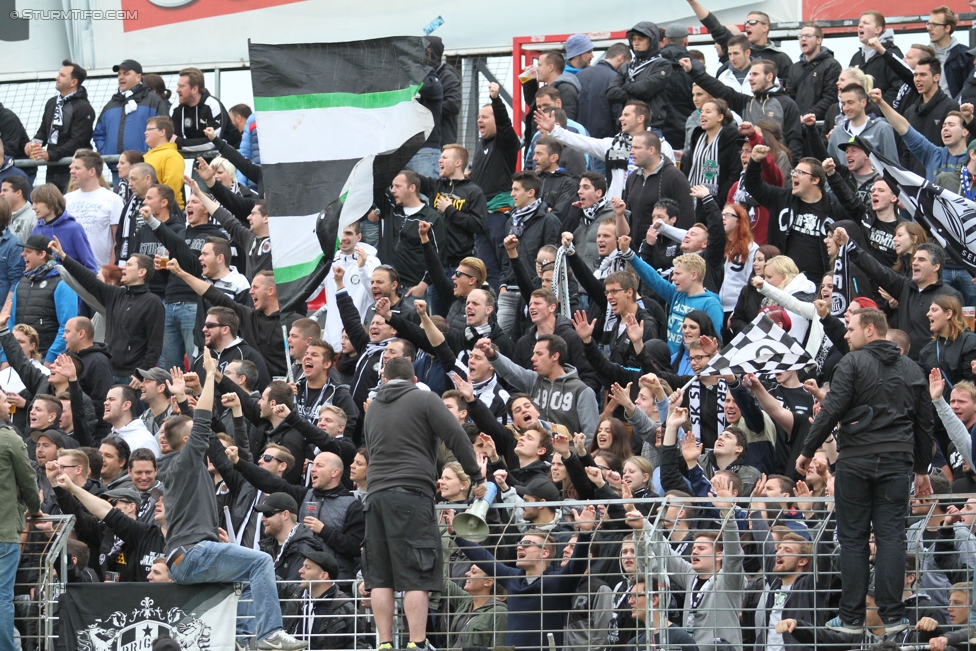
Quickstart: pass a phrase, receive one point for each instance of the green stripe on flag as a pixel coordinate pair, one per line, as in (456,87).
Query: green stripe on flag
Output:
(382,99)
(296,272)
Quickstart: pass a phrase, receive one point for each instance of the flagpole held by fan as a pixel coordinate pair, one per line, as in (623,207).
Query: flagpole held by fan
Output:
(471,525)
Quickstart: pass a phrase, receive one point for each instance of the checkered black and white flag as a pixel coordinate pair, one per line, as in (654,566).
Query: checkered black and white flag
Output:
(761,347)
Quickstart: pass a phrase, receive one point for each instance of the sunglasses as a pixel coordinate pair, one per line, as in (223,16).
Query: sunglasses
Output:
(115,502)
(267,458)
(210,324)
(753,21)
(459,274)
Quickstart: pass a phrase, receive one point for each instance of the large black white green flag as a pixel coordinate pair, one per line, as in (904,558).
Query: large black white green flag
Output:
(338,121)
(129,616)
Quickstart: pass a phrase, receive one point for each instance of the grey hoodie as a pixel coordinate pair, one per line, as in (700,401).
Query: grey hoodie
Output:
(565,401)
(191,505)
(402,430)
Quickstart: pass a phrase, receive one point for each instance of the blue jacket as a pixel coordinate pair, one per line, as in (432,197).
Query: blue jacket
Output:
(250,149)
(66,306)
(72,236)
(935,160)
(679,304)
(7,168)
(115,125)
(11,264)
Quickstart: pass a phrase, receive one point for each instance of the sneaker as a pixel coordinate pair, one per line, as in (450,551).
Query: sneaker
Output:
(836,624)
(427,646)
(386,646)
(242,645)
(897,627)
(281,641)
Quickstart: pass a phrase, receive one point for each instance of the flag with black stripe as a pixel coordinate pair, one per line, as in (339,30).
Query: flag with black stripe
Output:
(949,218)
(761,347)
(338,121)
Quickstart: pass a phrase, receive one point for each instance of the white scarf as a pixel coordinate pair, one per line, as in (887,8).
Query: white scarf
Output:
(695,393)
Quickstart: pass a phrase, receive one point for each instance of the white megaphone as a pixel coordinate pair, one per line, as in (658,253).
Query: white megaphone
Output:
(471,524)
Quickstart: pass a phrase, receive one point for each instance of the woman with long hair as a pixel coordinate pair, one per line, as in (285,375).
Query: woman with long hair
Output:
(750,300)
(454,485)
(127,159)
(953,347)
(695,324)
(908,235)
(782,273)
(740,249)
(715,149)
(611,436)
(772,135)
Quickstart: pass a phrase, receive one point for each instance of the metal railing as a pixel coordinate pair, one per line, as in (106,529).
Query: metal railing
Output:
(39,583)
(597,610)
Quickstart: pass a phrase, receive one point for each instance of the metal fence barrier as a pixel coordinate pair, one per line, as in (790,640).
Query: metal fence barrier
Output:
(600,609)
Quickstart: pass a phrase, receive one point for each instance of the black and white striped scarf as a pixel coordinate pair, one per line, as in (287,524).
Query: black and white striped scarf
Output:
(521,217)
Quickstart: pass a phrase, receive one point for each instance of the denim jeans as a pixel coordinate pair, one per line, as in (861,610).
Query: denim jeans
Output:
(424,162)
(961,280)
(181,319)
(872,491)
(489,248)
(9,559)
(258,610)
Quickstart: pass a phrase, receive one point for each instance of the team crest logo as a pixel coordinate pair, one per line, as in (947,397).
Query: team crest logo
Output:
(136,631)
(266,246)
(354,279)
(43,284)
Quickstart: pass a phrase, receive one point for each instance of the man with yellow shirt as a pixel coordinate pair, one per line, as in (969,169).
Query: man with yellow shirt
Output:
(164,156)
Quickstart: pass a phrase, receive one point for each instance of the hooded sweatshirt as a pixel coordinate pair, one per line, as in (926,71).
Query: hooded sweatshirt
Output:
(871,63)
(646,77)
(565,401)
(72,236)
(191,505)
(403,429)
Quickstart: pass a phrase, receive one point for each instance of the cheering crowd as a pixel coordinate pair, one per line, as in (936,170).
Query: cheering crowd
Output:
(526,337)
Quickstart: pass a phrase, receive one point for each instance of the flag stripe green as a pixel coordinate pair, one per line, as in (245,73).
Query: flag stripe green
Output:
(296,271)
(335,100)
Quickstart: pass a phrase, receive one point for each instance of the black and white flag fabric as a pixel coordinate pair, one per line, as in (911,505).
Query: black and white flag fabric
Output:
(949,218)
(761,347)
(130,616)
(338,123)
(840,297)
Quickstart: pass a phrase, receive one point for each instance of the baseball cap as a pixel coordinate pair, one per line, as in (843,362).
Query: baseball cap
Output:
(52,434)
(797,527)
(855,141)
(276,503)
(157,492)
(541,489)
(971,147)
(129,64)
(325,560)
(36,243)
(676,30)
(127,494)
(578,44)
(155,374)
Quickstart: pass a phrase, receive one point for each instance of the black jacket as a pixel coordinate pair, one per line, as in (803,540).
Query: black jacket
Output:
(885,77)
(134,320)
(642,192)
(494,158)
(927,118)
(262,331)
(813,84)
(729,161)
(190,121)
(799,227)
(12,133)
(595,111)
(464,218)
(75,132)
(576,357)
(957,67)
(345,543)
(451,106)
(290,556)
(912,303)
(559,192)
(871,423)
(236,351)
(784,65)
(953,357)
(96,380)
(541,228)
(678,95)
(407,256)
(645,78)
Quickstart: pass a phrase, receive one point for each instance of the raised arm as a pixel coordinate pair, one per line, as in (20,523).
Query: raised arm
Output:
(894,118)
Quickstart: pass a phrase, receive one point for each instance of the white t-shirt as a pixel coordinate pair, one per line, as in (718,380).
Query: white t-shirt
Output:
(97,212)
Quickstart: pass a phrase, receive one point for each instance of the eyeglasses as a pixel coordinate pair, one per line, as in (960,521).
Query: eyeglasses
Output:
(153,129)
(63,468)
(935,24)
(211,324)
(267,458)
(699,358)
(754,21)
(458,274)
(542,265)
(806,36)
(730,215)
(611,292)
(634,596)
(115,502)
(796,172)
(529,543)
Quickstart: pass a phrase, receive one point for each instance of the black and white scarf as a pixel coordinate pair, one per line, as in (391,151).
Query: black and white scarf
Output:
(474,333)
(132,221)
(742,197)
(840,298)
(695,393)
(57,121)
(636,68)
(618,156)
(521,217)
(589,214)
(704,164)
